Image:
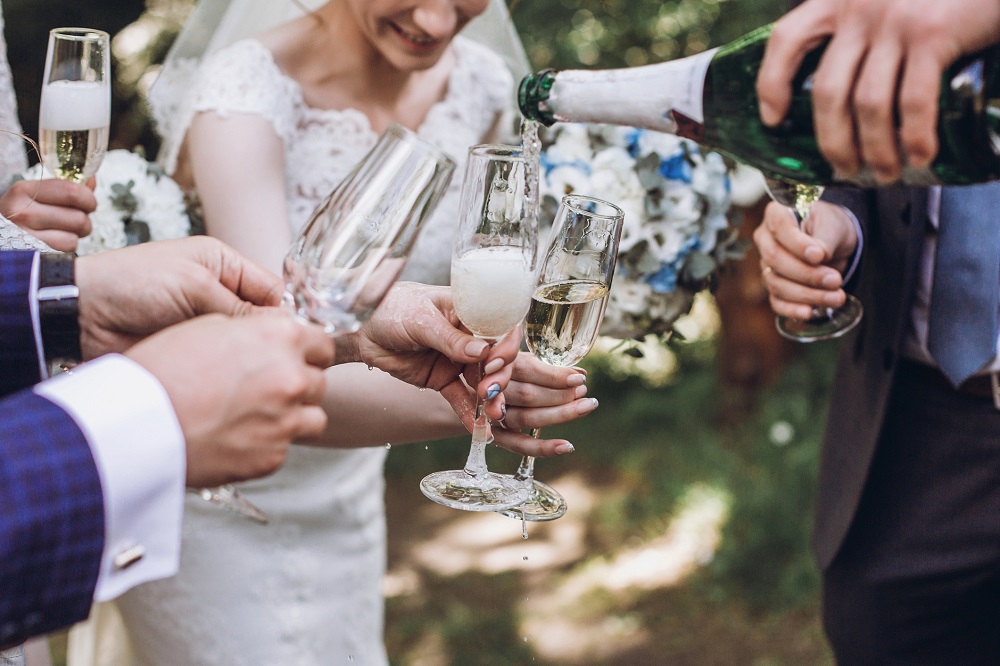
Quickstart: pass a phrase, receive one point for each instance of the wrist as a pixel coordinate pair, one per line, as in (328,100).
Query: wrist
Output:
(346,348)
(58,309)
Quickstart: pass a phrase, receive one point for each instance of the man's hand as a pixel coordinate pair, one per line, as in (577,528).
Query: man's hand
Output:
(802,268)
(883,66)
(415,336)
(128,294)
(55,211)
(243,390)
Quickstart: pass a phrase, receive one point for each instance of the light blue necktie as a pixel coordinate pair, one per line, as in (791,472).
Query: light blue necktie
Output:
(962,330)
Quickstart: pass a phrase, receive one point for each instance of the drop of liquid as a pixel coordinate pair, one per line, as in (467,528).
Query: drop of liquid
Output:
(388,446)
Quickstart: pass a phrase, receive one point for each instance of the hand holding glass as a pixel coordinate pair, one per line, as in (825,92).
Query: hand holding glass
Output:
(492,278)
(568,305)
(354,246)
(75,109)
(826,323)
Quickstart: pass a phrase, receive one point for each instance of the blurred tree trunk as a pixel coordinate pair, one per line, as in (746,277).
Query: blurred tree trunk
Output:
(751,353)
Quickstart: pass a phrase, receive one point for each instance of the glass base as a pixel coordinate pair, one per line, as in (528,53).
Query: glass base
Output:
(460,490)
(831,324)
(544,504)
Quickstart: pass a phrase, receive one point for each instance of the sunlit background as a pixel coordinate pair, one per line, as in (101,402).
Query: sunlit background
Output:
(691,488)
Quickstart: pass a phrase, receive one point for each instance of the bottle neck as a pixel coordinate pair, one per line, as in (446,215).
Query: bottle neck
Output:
(648,97)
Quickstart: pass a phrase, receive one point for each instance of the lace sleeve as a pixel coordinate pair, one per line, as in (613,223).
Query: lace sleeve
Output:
(242,78)
(12,156)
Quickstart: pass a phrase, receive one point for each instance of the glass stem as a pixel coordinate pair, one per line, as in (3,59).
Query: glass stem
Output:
(526,470)
(481,437)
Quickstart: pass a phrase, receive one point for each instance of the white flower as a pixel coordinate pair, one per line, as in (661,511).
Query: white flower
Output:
(565,179)
(675,200)
(126,181)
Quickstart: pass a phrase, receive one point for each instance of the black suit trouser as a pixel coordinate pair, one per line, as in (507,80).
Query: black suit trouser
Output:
(917,580)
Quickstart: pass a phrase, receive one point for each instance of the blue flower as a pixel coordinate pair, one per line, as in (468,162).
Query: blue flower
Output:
(548,164)
(664,280)
(676,167)
(632,142)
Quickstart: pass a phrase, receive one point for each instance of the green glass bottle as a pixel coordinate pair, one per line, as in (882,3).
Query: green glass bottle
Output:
(711,98)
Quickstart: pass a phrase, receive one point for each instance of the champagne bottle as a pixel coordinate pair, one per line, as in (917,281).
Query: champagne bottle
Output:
(711,98)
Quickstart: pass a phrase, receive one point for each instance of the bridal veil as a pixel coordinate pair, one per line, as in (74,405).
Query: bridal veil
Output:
(214,24)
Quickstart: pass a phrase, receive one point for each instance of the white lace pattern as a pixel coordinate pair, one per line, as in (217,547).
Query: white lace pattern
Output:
(12,155)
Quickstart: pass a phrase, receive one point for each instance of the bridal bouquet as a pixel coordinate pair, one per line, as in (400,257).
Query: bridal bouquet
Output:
(136,202)
(675,198)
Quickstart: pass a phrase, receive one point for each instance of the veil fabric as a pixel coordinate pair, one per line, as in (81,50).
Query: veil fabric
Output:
(214,24)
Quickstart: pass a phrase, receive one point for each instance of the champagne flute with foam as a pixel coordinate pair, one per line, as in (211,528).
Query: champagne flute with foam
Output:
(492,279)
(75,110)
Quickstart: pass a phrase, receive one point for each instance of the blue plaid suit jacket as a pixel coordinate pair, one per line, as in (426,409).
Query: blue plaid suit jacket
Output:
(51,506)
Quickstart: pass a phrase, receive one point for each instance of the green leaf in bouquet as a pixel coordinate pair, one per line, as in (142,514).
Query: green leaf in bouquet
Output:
(136,232)
(735,249)
(646,262)
(634,352)
(122,198)
(698,267)
(647,168)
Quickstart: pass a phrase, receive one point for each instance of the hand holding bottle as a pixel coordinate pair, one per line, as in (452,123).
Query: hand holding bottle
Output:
(802,267)
(873,44)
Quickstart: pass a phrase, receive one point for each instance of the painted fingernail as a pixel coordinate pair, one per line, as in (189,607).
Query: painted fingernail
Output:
(476,347)
(493,366)
(587,406)
(566,447)
(576,379)
(581,391)
(493,391)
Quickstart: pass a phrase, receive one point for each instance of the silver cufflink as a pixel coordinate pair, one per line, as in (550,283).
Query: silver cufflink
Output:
(128,557)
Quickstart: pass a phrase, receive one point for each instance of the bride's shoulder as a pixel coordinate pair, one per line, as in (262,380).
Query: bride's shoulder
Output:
(245,56)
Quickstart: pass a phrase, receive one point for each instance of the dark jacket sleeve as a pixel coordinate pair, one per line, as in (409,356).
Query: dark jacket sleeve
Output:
(51,519)
(19,363)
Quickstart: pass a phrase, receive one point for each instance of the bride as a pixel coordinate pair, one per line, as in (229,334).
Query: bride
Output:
(264,129)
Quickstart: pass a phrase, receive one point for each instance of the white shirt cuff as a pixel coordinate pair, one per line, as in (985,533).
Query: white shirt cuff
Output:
(139,449)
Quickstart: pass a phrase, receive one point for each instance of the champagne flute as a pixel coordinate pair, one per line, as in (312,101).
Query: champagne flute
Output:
(75,108)
(566,312)
(825,323)
(354,246)
(492,278)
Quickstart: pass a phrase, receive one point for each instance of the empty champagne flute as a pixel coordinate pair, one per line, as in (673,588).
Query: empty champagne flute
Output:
(355,244)
(566,311)
(826,323)
(75,108)
(492,279)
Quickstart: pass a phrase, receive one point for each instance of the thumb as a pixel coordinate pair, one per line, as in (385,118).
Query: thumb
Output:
(441,335)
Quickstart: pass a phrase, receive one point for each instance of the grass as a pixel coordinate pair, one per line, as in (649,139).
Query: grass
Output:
(686,540)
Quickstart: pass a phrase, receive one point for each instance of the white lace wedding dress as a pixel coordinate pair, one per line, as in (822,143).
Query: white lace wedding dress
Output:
(12,155)
(305,589)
